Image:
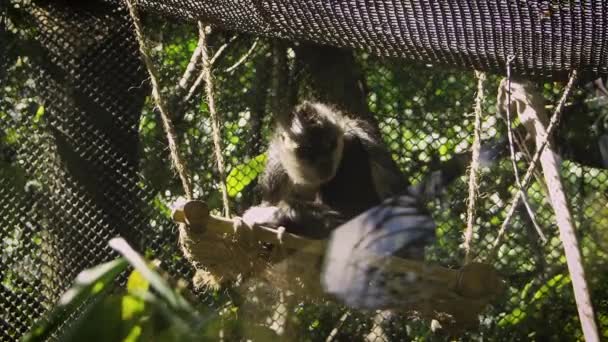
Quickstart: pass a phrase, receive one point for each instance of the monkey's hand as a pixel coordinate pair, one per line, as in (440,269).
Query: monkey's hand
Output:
(309,219)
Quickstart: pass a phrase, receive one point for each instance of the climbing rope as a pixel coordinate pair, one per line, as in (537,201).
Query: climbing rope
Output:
(474,169)
(178,163)
(215,121)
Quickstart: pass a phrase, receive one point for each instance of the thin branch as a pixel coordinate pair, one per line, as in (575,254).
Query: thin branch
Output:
(539,150)
(534,118)
(195,87)
(513,161)
(474,169)
(220,50)
(523,147)
(199,80)
(334,332)
(244,57)
(189,72)
(178,163)
(210,92)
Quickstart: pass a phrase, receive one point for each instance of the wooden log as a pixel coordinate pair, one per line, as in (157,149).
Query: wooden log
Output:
(472,281)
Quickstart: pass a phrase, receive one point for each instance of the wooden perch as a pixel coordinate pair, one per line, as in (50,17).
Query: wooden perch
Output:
(195,214)
(292,262)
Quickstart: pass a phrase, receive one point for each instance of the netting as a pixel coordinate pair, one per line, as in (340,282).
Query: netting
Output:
(547,37)
(83,157)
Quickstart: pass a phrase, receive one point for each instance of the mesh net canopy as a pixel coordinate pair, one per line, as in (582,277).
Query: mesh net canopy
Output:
(83,157)
(546,37)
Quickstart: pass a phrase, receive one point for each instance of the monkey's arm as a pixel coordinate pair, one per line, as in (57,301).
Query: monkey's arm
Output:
(448,171)
(388,179)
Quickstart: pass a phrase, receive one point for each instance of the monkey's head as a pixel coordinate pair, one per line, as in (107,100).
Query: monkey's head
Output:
(312,140)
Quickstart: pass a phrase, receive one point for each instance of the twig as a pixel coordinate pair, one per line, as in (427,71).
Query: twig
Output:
(194,59)
(534,119)
(210,92)
(197,83)
(567,232)
(539,150)
(244,57)
(334,332)
(220,51)
(474,169)
(178,163)
(512,151)
(199,80)
(533,163)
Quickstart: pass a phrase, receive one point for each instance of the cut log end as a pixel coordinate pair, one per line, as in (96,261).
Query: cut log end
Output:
(194,214)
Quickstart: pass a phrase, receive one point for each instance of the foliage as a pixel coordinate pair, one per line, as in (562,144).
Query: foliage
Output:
(147,309)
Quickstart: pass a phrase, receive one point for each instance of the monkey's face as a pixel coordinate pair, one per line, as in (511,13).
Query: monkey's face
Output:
(312,156)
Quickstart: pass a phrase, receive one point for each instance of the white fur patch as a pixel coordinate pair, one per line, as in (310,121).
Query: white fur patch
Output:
(326,111)
(259,215)
(296,127)
(289,143)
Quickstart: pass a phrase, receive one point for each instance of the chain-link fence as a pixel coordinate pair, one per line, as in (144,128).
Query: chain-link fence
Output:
(83,157)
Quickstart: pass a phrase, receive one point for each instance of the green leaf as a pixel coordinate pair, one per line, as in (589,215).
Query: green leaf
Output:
(137,282)
(88,285)
(159,204)
(174,299)
(133,306)
(134,334)
(92,280)
(39,114)
(242,175)
(102,322)
(513,318)
(554,283)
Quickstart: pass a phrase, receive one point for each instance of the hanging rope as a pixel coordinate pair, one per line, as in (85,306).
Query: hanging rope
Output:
(474,169)
(215,125)
(178,163)
(529,173)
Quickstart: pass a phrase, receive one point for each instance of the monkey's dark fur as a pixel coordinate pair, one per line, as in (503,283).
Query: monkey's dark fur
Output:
(323,168)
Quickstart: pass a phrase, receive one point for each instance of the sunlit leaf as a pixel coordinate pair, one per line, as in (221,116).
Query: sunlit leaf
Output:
(133,306)
(88,284)
(39,114)
(174,299)
(134,334)
(92,279)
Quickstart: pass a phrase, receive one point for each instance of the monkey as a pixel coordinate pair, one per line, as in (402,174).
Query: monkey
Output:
(323,168)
